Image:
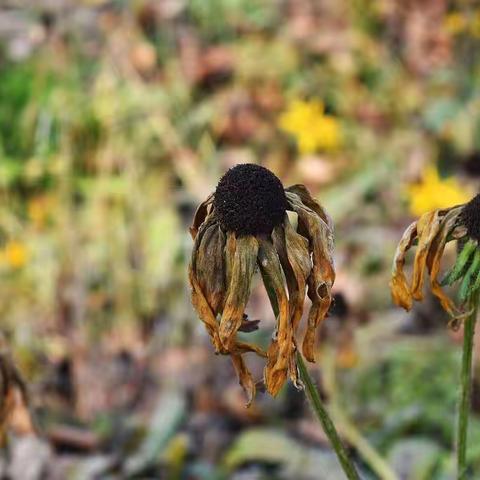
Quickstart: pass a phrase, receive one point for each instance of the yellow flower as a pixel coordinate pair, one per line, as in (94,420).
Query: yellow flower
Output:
(455,23)
(14,254)
(311,127)
(434,193)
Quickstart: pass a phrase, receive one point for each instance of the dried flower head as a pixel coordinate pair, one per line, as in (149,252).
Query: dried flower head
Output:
(245,225)
(430,233)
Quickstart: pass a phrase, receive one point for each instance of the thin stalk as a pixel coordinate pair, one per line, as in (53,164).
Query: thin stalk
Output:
(465,390)
(326,422)
(315,401)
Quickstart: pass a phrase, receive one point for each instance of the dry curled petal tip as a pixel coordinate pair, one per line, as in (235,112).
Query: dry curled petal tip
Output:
(456,322)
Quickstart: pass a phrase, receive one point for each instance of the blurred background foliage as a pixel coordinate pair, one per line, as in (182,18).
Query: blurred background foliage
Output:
(117,118)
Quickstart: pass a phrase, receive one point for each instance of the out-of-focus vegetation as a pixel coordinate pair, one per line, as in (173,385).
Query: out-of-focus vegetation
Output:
(117,118)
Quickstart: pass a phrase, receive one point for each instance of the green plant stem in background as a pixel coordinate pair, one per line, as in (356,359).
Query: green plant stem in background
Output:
(326,422)
(465,390)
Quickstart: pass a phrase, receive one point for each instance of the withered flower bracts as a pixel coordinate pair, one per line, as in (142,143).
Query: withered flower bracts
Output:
(244,225)
(430,233)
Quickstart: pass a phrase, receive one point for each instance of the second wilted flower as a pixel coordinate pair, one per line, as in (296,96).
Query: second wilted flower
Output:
(430,233)
(242,226)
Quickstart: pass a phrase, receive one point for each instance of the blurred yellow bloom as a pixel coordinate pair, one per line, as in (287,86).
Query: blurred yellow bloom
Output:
(434,193)
(311,127)
(14,254)
(455,23)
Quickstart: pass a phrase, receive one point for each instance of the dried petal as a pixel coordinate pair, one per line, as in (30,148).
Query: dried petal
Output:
(242,270)
(398,284)
(435,256)
(282,347)
(311,203)
(428,226)
(210,267)
(200,216)
(203,310)
(321,279)
(244,377)
(292,249)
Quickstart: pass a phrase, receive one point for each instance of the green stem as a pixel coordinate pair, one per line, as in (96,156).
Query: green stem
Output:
(465,392)
(326,422)
(314,397)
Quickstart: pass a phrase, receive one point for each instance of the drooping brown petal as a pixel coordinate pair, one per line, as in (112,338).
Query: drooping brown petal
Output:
(244,377)
(322,276)
(204,310)
(242,270)
(230,247)
(434,257)
(428,226)
(292,249)
(200,215)
(311,203)
(209,221)
(399,287)
(243,347)
(210,266)
(282,347)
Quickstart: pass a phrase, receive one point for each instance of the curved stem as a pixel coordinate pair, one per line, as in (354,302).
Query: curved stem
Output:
(465,390)
(315,401)
(326,422)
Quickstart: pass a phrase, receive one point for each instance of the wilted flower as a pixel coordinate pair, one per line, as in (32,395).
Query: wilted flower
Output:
(244,225)
(430,233)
